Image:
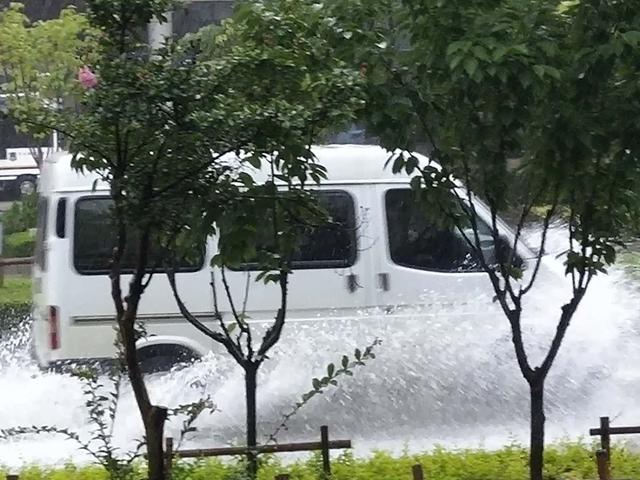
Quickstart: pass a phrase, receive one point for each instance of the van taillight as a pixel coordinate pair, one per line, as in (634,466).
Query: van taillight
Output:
(54,324)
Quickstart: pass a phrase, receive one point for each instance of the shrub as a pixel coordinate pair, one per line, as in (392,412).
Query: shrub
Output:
(566,461)
(21,216)
(20,244)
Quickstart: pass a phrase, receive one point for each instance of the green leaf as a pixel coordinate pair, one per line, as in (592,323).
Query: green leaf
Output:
(567,5)
(455,61)
(515,273)
(246,179)
(455,46)
(345,361)
(632,38)
(539,70)
(553,72)
(470,66)
(398,163)
(254,161)
(411,164)
(500,52)
(480,52)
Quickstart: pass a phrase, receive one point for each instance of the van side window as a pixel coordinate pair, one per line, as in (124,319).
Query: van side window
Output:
(94,239)
(41,233)
(61,218)
(330,246)
(416,242)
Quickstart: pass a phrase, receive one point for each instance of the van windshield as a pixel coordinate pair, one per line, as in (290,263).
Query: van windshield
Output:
(95,238)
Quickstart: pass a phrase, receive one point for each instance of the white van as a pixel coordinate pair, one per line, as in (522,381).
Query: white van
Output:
(388,256)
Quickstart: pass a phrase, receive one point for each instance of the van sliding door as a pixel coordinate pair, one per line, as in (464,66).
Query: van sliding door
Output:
(331,269)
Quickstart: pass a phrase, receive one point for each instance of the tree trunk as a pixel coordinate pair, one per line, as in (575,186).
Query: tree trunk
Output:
(153,417)
(154,431)
(250,376)
(536,453)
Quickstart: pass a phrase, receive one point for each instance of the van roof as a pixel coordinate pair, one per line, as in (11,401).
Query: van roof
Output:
(344,164)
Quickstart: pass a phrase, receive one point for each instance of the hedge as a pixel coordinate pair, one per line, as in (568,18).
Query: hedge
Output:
(568,461)
(21,216)
(19,244)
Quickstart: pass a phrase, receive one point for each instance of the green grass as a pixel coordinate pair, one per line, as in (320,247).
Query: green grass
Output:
(569,461)
(17,289)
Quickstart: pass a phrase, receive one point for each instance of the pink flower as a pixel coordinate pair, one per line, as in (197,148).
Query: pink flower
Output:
(87,78)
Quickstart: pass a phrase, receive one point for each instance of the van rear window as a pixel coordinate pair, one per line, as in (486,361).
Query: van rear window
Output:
(94,239)
(41,233)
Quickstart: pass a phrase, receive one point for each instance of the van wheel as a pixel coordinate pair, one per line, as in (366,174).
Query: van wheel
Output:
(26,185)
(164,357)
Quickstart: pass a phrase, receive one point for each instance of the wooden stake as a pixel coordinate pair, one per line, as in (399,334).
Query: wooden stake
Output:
(326,460)
(168,455)
(418,474)
(602,460)
(605,436)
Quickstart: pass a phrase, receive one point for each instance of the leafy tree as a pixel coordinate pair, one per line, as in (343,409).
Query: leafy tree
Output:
(286,76)
(163,129)
(533,105)
(38,62)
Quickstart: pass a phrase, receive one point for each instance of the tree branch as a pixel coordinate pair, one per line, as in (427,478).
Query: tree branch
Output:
(545,230)
(274,332)
(224,340)
(567,313)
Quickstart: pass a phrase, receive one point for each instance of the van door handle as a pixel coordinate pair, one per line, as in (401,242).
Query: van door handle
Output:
(352,282)
(383,281)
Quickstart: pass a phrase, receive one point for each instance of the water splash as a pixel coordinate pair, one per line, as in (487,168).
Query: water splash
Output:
(434,382)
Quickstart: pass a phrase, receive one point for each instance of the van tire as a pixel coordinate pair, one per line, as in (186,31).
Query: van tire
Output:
(26,185)
(164,357)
